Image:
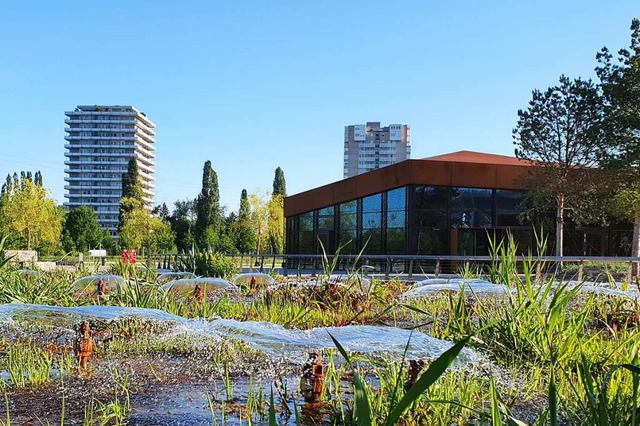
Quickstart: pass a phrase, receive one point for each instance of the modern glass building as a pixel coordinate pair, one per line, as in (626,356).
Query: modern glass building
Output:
(445,205)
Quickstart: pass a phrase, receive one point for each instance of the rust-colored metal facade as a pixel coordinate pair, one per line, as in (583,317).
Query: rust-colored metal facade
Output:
(460,169)
(448,204)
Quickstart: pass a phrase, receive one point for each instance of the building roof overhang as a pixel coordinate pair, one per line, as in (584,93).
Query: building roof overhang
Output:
(459,169)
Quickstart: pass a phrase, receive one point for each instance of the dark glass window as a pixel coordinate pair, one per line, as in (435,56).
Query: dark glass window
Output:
(292,235)
(372,224)
(305,233)
(473,242)
(325,218)
(326,230)
(371,220)
(471,207)
(348,227)
(396,221)
(397,199)
(431,207)
(372,203)
(432,198)
(432,241)
(508,207)
(431,219)
(396,241)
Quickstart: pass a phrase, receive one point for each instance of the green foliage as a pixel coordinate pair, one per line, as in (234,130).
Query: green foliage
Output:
(620,82)
(83,230)
(29,212)
(279,183)
(561,132)
(4,259)
(161,211)
(131,186)
(208,206)
(131,191)
(275,224)
(259,203)
(145,233)
(207,263)
(363,395)
(183,229)
(245,235)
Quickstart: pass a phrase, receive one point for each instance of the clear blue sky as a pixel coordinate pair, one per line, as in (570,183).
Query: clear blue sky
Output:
(258,84)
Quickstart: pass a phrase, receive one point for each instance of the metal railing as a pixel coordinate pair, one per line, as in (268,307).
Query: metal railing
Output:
(406,265)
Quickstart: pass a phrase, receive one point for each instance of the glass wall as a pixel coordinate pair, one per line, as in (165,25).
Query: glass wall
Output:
(372,224)
(396,221)
(436,220)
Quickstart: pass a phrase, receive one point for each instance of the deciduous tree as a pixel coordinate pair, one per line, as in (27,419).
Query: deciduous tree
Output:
(146,233)
(259,206)
(82,227)
(275,227)
(27,210)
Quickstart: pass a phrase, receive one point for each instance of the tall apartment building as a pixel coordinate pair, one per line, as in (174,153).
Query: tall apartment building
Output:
(100,142)
(368,147)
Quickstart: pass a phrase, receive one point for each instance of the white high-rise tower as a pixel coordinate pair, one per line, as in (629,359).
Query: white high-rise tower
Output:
(369,147)
(100,142)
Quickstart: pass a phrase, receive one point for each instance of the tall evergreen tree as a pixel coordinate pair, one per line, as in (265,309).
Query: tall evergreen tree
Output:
(131,186)
(6,187)
(38,178)
(245,235)
(208,218)
(276,213)
(279,184)
(131,192)
(161,211)
(244,212)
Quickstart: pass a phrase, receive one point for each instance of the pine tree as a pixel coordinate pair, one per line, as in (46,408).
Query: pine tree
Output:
(561,132)
(245,235)
(208,218)
(279,184)
(131,186)
(244,213)
(6,188)
(161,211)
(131,198)
(276,213)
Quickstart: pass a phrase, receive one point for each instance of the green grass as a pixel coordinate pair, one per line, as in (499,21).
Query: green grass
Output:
(552,354)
